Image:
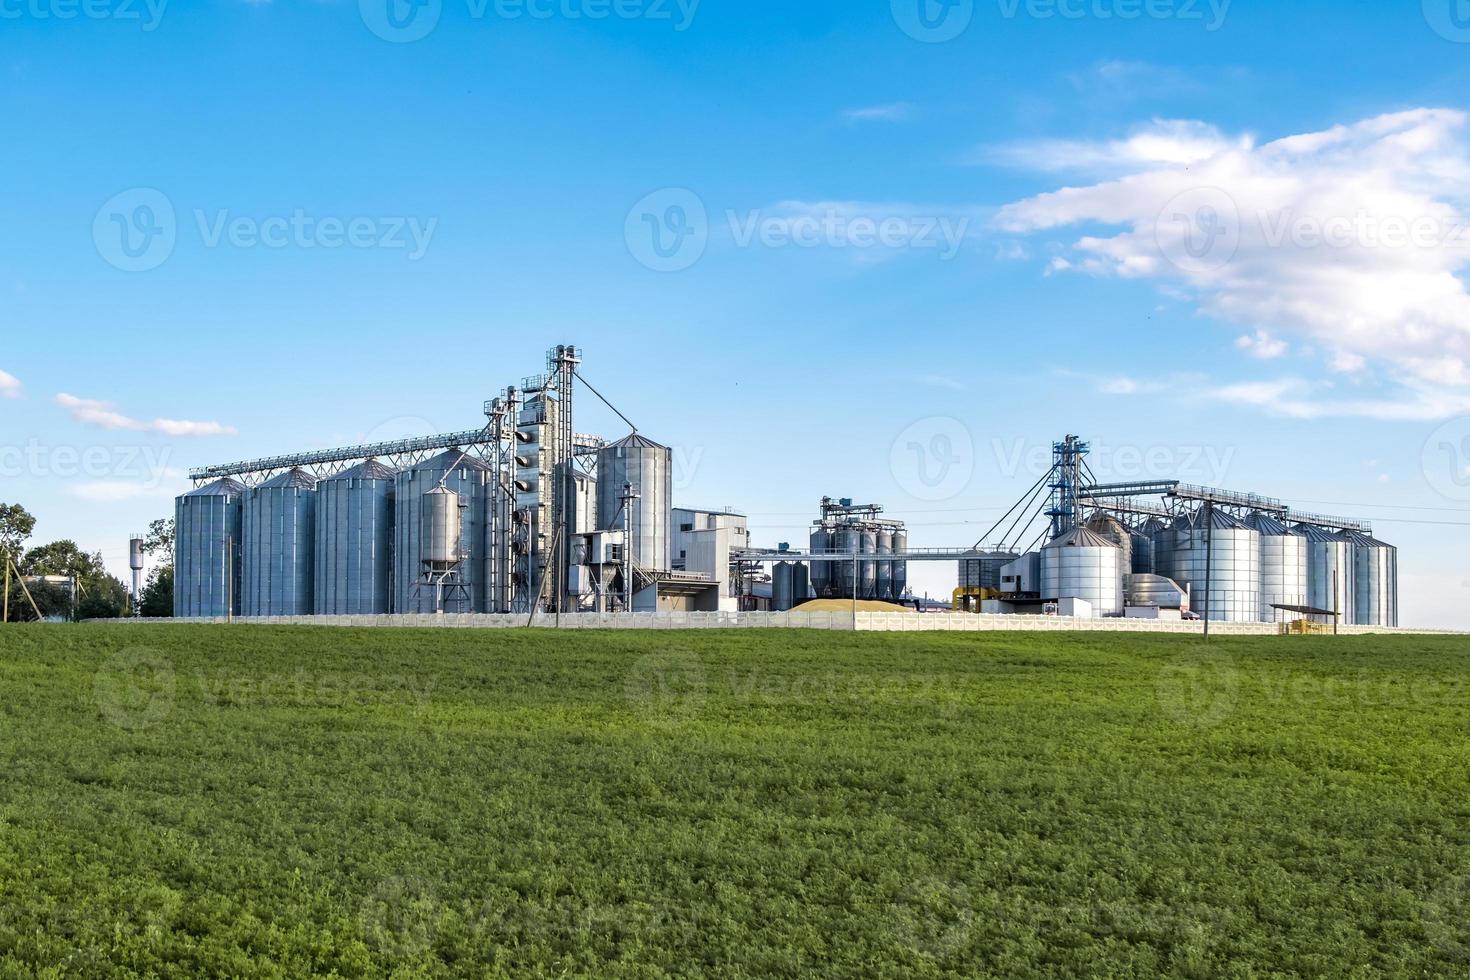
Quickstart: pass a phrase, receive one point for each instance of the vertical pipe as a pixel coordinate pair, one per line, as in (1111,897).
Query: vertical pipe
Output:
(1209,562)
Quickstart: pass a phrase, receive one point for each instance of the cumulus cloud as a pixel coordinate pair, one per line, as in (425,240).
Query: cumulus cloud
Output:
(1261,344)
(1353,238)
(104,415)
(10,386)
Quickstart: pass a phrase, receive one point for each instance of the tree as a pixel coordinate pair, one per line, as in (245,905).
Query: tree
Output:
(158,594)
(159,542)
(102,595)
(16,525)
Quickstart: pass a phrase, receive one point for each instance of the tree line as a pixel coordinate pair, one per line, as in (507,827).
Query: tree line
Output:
(99,595)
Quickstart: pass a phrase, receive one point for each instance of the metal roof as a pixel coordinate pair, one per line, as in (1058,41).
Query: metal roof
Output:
(219,488)
(635,440)
(369,469)
(296,479)
(1081,537)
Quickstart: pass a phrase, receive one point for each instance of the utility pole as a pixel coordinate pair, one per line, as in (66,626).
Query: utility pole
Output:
(856,574)
(1209,562)
(6,618)
(230,580)
(630,494)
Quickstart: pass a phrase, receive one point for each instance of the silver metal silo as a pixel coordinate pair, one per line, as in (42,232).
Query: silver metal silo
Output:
(1143,546)
(279,527)
(1082,564)
(845,574)
(1283,568)
(1222,551)
(821,542)
(801,583)
(783,592)
(885,567)
(648,466)
(1375,581)
(900,568)
(441,531)
(207,543)
(869,566)
(468,477)
(1330,573)
(354,542)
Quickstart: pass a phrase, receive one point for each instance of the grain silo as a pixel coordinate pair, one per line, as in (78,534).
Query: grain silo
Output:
(1218,558)
(279,528)
(1082,564)
(1375,581)
(1330,578)
(207,545)
(648,467)
(1283,568)
(900,568)
(354,542)
(1143,546)
(470,479)
(821,574)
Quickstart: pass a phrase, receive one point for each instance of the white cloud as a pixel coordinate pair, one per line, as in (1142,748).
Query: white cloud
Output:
(10,386)
(111,491)
(1301,399)
(1352,238)
(1262,345)
(104,415)
(894,112)
(1169,142)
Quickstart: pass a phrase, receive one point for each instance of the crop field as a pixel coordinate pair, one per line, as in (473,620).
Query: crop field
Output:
(183,801)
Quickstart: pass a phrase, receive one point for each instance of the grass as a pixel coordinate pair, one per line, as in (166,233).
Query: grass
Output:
(279,802)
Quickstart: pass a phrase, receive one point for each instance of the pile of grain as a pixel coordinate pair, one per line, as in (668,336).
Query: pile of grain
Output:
(845,605)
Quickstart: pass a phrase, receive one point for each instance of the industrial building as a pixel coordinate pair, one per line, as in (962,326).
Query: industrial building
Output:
(526,515)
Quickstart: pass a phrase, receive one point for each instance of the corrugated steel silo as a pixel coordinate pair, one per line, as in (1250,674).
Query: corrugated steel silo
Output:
(1143,546)
(649,467)
(821,570)
(207,536)
(869,566)
(783,593)
(353,562)
(1082,564)
(279,530)
(1330,578)
(845,575)
(885,567)
(900,568)
(1375,581)
(468,477)
(1283,568)
(801,583)
(1227,554)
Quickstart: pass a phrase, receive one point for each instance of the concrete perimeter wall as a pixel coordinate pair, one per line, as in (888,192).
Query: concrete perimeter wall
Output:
(863,622)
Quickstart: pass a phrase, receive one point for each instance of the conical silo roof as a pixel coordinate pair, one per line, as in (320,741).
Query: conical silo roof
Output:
(226,487)
(453,459)
(1315,532)
(1081,537)
(1269,526)
(297,479)
(369,470)
(635,440)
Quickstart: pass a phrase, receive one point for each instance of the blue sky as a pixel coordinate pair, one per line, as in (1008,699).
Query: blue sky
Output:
(495,176)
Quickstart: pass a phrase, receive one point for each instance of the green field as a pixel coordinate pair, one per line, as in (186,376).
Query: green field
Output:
(208,801)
